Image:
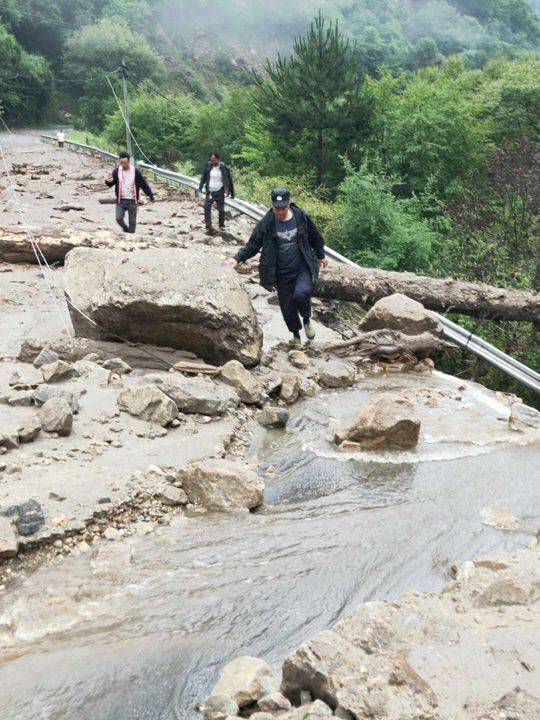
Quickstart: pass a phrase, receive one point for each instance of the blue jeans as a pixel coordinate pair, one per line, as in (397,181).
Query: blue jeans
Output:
(294,295)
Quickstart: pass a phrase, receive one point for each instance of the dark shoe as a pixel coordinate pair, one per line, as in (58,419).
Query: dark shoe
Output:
(209,230)
(222,227)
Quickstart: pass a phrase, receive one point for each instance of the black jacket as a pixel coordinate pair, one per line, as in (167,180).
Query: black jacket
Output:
(225,174)
(264,238)
(140,184)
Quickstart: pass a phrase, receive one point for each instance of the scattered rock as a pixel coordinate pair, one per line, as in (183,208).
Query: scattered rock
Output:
(56,371)
(385,424)
(200,396)
(28,380)
(336,374)
(29,430)
(505,591)
(118,365)
(46,357)
(299,359)
(248,387)
(218,707)
(274,703)
(8,541)
(246,680)
(148,403)
(56,416)
(274,417)
(399,312)
(9,439)
(515,705)
(179,298)
(29,517)
(174,496)
(290,388)
(46,392)
(112,533)
(22,398)
(222,485)
(308,387)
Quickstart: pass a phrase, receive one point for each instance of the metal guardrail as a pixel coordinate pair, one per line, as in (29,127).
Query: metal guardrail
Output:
(454,332)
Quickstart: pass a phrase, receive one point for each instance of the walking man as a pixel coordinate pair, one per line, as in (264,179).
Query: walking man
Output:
(292,253)
(218,180)
(61,137)
(128,181)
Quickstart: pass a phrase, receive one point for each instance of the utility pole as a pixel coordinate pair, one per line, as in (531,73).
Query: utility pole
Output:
(124,71)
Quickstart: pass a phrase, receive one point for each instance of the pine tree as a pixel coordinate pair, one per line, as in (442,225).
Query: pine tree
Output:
(313,100)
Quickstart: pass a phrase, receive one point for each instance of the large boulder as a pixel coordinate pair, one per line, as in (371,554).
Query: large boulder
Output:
(246,680)
(179,298)
(195,395)
(249,389)
(399,312)
(387,424)
(222,485)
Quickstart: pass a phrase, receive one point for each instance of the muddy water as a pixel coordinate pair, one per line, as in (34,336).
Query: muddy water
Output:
(115,639)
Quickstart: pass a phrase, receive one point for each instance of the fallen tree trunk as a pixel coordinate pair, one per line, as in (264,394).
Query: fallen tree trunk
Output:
(391,345)
(367,285)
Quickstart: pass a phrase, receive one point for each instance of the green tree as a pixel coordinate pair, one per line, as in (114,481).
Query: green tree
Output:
(374,228)
(313,100)
(25,82)
(160,126)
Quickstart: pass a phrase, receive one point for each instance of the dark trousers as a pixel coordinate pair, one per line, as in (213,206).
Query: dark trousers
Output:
(294,295)
(129,207)
(211,198)
(60,144)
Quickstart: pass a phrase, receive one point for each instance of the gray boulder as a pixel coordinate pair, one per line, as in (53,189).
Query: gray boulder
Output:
(29,430)
(274,417)
(399,312)
(179,298)
(246,680)
(195,395)
(46,392)
(222,485)
(336,374)
(56,371)
(248,387)
(148,403)
(45,357)
(218,707)
(386,424)
(56,416)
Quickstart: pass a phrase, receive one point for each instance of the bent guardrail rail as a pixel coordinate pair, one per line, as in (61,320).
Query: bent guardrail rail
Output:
(454,332)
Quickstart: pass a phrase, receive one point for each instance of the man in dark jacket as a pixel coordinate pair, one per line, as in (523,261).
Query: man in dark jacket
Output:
(218,180)
(128,181)
(292,253)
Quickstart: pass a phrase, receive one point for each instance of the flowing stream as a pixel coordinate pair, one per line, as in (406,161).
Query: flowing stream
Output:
(145,639)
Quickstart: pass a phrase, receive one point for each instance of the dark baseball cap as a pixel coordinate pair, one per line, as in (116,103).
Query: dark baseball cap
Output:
(280,197)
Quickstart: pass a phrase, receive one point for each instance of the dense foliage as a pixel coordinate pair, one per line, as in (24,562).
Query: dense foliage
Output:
(409,129)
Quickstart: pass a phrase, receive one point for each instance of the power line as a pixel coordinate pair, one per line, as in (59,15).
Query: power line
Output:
(127,123)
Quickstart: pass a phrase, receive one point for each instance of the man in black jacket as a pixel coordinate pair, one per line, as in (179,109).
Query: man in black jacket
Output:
(218,180)
(128,181)
(292,253)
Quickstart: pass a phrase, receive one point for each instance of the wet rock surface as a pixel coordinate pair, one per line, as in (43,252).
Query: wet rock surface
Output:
(385,424)
(222,485)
